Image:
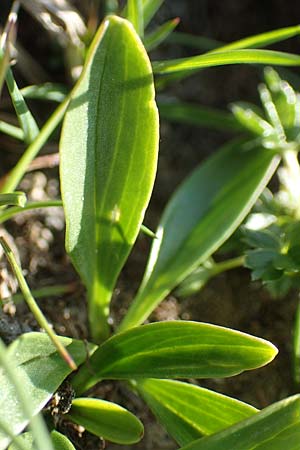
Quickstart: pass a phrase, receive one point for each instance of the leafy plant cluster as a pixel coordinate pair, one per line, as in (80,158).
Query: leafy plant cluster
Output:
(109,150)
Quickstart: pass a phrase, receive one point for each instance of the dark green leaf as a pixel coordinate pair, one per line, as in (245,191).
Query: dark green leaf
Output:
(274,428)
(202,214)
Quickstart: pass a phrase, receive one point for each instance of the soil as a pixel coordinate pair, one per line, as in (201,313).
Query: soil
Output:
(231,299)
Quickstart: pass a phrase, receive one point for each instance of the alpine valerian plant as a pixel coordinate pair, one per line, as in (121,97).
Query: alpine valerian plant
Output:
(109,150)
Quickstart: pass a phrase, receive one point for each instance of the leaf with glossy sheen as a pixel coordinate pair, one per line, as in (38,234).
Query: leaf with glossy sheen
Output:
(276,427)
(109,149)
(200,216)
(106,419)
(223,58)
(40,370)
(187,411)
(176,349)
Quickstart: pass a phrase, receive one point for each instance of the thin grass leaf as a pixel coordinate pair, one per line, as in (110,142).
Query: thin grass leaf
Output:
(197,115)
(14,211)
(11,130)
(191,40)
(48,91)
(195,63)
(150,8)
(152,40)
(296,346)
(25,118)
(135,15)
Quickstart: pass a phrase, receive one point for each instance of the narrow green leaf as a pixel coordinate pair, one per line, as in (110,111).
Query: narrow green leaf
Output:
(26,120)
(188,412)
(108,161)
(107,420)
(276,427)
(202,214)
(39,370)
(11,212)
(190,40)
(15,198)
(198,115)
(135,15)
(11,130)
(251,121)
(263,39)
(150,8)
(296,346)
(175,349)
(61,442)
(212,59)
(47,91)
(160,34)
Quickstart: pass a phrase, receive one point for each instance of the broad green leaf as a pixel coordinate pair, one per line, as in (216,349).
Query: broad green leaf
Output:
(189,412)
(109,151)
(213,59)
(160,34)
(21,403)
(198,115)
(202,214)
(40,370)
(150,7)
(15,198)
(107,420)
(276,427)
(135,15)
(59,441)
(175,349)
(26,120)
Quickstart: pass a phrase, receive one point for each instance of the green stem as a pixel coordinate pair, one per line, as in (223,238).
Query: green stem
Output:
(20,168)
(227,265)
(11,130)
(11,212)
(17,199)
(34,308)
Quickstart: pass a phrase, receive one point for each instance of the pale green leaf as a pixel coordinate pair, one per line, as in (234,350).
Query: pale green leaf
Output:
(47,91)
(109,151)
(222,58)
(150,8)
(187,411)
(40,370)
(202,214)
(25,440)
(135,15)
(177,349)
(276,427)
(107,420)
(61,442)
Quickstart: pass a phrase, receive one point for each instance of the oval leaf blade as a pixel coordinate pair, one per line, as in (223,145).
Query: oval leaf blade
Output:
(276,427)
(187,411)
(175,349)
(106,419)
(203,212)
(40,370)
(109,149)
